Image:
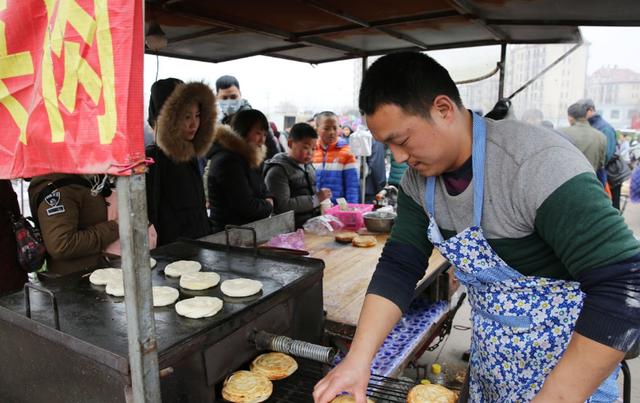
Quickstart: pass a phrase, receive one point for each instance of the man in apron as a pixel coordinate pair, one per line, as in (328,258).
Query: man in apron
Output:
(552,271)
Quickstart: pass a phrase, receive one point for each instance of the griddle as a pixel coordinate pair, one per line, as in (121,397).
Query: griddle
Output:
(93,324)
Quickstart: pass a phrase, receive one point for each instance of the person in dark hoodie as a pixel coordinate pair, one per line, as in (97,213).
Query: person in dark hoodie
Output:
(291,177)
(237,193)
(182,117)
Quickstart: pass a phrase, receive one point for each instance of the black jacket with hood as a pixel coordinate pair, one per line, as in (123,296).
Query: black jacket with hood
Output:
(175,192)
(293,187)
(237,191)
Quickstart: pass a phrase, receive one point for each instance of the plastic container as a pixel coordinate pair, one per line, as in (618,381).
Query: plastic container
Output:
(436,376)
(351,219)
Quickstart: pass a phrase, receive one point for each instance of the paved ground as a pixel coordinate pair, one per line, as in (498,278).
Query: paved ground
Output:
(450,353)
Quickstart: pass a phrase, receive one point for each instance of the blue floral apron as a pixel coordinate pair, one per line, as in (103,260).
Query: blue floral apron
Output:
(521,324)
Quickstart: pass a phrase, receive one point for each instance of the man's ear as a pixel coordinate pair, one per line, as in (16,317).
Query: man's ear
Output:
(289,143)
(443,108)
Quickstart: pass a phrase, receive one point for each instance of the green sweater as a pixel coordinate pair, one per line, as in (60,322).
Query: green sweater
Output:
(545,212)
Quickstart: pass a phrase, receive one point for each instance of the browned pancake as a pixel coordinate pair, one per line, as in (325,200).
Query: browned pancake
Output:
(274,365)
(247,387)
(365,241)
(345,237)
(430,394)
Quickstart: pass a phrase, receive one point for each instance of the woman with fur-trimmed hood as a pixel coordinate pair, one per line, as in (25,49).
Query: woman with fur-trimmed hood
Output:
(237,192)
(182,117)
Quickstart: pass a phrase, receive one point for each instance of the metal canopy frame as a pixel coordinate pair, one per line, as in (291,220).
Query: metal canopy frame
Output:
(320,31)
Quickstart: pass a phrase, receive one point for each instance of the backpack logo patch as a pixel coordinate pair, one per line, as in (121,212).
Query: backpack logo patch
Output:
(53,198)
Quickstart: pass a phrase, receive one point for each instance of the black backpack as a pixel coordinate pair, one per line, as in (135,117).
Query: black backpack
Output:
(618,171)
(31,250)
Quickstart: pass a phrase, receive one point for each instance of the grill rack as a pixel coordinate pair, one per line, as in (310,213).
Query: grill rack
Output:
(298,387)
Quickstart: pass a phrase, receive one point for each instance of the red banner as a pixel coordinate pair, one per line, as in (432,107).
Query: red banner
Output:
(71,78)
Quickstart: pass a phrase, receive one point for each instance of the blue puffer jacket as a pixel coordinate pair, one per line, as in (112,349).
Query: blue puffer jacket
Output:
(337,169)
(596,121)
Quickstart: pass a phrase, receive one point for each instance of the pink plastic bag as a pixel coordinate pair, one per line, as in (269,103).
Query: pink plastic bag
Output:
(291,240)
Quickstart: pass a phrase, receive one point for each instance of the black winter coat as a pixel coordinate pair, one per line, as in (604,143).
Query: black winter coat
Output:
(175,192)
(237,191)
(292,186)
(175,198)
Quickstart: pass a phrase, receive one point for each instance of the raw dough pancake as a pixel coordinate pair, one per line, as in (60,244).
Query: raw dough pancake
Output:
(274,365)
(163,296)
(200,280)
(247,386)
(104,276)
(430,394)
(177,269)
(364,241)
(347,399)
(115,288)
(199,307)
(152,263)
(240,287)
(345,237)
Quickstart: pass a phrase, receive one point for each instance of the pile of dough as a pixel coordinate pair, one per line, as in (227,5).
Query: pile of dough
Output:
(115,288)
(200,280)
(348,399)
(274,365)
(105,276)
(365,241)
(177,269)
(199,307)
(152,263)
(163,296)
(247,386)
(430,393)
(345,237)
(240,287)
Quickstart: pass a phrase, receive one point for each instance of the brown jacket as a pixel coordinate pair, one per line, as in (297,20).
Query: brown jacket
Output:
(74,225)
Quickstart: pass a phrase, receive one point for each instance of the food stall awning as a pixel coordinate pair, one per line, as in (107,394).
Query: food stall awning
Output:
(318,31)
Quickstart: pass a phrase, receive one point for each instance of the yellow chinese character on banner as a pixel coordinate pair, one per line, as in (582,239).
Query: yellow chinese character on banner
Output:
(77,70)
(13,65)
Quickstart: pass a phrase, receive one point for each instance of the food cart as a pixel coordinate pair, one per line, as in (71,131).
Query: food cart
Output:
(113,356)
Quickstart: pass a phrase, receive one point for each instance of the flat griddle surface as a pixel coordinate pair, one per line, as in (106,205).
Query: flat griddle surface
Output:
(89,314)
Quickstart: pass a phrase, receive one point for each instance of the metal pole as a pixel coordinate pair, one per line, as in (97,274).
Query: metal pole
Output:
(141,329)
(503,65)
(363,161)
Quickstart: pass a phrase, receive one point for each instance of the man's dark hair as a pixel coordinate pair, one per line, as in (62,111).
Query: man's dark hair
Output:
(410,80)
(578,110)
(324,114)
(301,131)
(243,121)
(588,104)
(225,82)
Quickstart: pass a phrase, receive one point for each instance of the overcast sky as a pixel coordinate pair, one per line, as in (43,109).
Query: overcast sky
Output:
(267,81)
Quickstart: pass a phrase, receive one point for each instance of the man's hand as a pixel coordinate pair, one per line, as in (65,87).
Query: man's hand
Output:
(270,201)
(377,318)
(351,375)
(323,194)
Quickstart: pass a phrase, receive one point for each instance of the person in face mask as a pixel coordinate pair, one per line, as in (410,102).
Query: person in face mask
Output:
(229,98)
(231,102)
